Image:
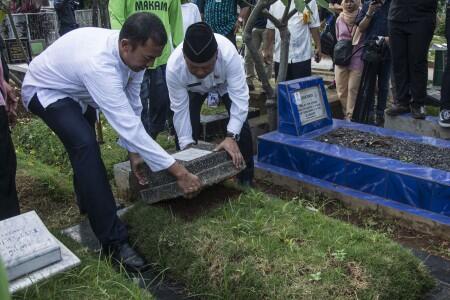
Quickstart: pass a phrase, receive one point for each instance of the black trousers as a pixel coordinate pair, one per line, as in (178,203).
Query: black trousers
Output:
(245,142)
(409,43)
(9,204)
(295,70)
(445,91)
(76,131)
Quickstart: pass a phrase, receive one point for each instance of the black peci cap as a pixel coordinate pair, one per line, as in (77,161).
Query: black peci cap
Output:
(199,45)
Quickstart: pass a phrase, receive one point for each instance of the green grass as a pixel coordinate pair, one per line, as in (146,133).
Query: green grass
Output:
(206,110)
(48,191)
(437,39)
(432,111)
(94,279)
(34,138)
(44,181)
(256,247)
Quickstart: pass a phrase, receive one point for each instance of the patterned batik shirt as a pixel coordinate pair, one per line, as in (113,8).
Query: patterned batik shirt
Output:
(222,15)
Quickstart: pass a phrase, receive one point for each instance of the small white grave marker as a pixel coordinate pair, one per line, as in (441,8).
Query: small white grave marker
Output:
(26,245)
(30,252)
(190,154)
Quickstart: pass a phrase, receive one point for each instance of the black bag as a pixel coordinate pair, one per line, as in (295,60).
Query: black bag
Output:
(343,50)
(343,53)
(328,38)
(376,51)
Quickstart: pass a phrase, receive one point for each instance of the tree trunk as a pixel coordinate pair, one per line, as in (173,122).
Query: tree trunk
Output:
(104,14)
(285,37)
(95,13)
(259,64)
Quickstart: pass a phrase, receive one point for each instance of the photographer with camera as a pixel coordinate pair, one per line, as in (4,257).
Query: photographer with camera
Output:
(65,10)
(372,21)
(411,28)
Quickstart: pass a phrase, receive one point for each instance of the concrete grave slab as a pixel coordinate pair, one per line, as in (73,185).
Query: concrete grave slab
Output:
(427,127)
(211,167)
(30,252)
(215,125)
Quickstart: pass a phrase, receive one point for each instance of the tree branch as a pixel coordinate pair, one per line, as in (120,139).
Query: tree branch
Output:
(254,52)
(291,13)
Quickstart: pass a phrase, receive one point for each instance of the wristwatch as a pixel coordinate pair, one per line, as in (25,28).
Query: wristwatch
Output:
(234,136)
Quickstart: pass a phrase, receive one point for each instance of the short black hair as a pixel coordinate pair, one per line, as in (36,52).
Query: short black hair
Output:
(141,26)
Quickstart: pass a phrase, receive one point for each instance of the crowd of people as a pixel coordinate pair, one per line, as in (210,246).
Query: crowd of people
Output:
(155,70)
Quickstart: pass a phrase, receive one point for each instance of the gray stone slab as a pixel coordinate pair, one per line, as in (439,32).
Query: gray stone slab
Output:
(212,168)
(427,127)
(30,252)
(215,125)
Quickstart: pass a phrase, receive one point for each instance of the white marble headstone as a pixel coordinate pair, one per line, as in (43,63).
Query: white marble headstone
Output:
(30,252)
(26,245)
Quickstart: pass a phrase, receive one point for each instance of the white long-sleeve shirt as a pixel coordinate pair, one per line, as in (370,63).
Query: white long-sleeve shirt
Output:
(85,65)
(300,45)
(191,15)
(228,77)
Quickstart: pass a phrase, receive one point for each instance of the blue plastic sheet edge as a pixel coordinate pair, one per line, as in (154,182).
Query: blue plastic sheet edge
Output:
(288,115)
(440,219)
(406,183)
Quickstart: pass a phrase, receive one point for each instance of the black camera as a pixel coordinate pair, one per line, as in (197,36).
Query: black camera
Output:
(376,50)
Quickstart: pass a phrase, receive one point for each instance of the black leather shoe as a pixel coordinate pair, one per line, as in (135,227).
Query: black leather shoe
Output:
(127,256)
(418,112)
(398,109)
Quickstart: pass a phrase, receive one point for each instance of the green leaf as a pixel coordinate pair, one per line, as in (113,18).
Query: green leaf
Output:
(323,3)
(300,5)
(285,2)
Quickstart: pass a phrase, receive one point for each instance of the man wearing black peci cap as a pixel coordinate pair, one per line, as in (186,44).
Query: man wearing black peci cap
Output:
(209,63)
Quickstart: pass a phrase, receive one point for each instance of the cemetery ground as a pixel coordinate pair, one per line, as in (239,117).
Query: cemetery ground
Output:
(227,243)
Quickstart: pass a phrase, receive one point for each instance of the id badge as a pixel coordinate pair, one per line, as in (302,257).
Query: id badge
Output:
(213,99)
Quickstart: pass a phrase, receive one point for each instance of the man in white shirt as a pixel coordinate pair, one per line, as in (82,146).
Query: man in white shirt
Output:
(99,68)
(209,63)
(191,14)
(302,26)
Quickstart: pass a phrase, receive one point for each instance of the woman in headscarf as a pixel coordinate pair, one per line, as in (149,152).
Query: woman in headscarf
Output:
(348,77)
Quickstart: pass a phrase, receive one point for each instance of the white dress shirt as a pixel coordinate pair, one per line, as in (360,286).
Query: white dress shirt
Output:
(300,46)
(228,77)
(191,14)
(85,65)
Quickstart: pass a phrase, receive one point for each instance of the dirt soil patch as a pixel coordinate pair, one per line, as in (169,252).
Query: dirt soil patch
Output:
(399,149)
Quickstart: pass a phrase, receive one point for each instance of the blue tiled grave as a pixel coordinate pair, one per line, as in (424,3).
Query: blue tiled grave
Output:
(292,151)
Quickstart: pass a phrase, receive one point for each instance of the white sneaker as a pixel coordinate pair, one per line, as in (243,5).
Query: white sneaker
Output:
(444,118)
